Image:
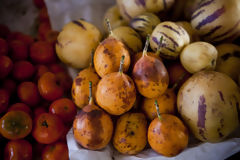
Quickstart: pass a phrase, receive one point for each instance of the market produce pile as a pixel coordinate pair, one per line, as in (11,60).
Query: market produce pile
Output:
(161,72)
(36,109)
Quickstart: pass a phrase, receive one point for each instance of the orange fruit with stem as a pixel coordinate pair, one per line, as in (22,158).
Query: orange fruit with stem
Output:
(150,75)
(167,135)
(108,55)
(92,127)
(116,92)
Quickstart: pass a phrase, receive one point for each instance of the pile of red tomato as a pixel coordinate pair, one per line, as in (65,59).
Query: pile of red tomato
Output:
(35,112)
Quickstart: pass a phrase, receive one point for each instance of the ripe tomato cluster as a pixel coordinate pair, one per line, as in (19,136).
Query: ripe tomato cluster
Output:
(34,109)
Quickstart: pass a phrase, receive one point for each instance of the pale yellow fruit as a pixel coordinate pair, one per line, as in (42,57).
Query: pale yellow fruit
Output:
(76,42)
(114,17)
(199,56)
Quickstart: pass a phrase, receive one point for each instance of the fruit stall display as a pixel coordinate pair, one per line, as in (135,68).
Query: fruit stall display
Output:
(161,73)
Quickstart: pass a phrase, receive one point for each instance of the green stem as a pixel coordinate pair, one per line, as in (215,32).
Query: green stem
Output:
(178,81)
(159,45)
(90,93)
(158,113)
(121,65)
(146,46)
(109,27)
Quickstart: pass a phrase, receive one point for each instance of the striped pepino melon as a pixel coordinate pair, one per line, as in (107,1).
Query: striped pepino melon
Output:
(144,23)
(217,20)
(175,38)
(131,8)
(208,103)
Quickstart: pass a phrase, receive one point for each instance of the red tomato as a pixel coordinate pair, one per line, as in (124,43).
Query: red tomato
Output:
(41,69)
(56,68)
(3,47)
(23,70)
(28,40)
(18,150)
(39,110)
(19,50)
(49,88)
(43,29)
(4,100)
(10,85)
(20,107)
(28,93)
(56,151)
(42,52)
(48,128)
(64,108)
(6,66)
(15,125)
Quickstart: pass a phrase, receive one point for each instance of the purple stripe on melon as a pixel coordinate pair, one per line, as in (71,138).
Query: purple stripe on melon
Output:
(79,24)
(155,40)
(171,28)
(201,112)
(163,45)
(140,2)
(200,5)
(212,31)
(211,18)
(170,49)
(197,14)
(221,95)
(170,38)
(228,31)
(137,19)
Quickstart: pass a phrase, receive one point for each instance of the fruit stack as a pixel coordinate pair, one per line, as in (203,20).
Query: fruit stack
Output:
(164,70)
(35,110)
(184,83)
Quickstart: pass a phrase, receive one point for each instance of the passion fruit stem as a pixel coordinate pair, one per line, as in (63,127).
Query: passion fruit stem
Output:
(157,107)
(91,63)
(178,81)
(146,46)
(109,27)
(121,64)
(159,45)
(90,93)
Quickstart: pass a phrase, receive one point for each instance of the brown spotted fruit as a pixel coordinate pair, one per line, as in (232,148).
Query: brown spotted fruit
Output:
(92,127)
(137,56)
(150,75)
(167,135)
(166,102)
(116,92)
(108,55)
(80,87)
(130,135)
(208,103)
